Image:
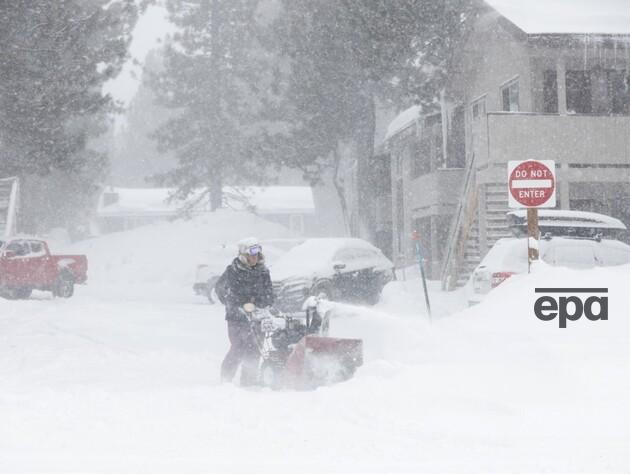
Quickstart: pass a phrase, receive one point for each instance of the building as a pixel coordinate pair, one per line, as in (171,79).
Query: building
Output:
(517,94)
(122,209)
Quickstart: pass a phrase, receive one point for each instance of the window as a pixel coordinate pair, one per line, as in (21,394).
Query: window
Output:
(509,97)
(579,93)
(550,92)
(18,247)
(456,139)
(37,248)
(618,86)
(366,256)
(419,159)
(345,255)
(574,256)
(610,256)
(479,108)
(439,151)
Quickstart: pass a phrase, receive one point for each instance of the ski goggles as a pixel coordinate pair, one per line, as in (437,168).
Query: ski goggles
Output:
(254,250)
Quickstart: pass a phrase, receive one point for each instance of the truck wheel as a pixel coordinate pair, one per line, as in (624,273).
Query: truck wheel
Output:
(22,293)
(64,287)
(9,294)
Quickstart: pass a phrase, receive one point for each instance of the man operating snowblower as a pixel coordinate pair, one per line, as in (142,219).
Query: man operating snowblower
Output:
(245,280)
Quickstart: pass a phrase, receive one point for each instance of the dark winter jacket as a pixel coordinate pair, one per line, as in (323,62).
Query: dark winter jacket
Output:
(242,284)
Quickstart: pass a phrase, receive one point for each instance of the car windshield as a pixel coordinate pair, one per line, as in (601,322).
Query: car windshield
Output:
(312,256)
(507,255)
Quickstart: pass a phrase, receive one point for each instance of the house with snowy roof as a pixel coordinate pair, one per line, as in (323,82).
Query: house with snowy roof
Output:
(122,209)
(531,83)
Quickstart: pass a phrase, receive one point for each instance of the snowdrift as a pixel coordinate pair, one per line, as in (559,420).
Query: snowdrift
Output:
(124,376)
(160,260)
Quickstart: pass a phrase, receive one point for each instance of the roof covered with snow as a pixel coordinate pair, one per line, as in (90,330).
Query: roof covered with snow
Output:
(403,120)
(566,16)
(117,201)
(569,218)
(272,199)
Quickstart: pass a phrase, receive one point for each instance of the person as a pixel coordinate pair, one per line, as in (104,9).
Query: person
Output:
(245,280)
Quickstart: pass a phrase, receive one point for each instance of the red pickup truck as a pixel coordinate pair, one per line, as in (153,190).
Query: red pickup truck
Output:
(27,264)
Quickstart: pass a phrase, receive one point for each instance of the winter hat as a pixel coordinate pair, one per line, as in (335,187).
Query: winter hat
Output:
(249,246)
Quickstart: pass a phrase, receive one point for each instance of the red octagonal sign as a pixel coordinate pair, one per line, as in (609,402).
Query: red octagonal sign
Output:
(532,183)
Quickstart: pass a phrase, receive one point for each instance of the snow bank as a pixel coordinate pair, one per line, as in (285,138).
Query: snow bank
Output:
(104,382)
(161,259)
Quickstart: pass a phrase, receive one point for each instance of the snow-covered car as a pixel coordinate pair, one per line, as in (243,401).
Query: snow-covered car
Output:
(342,269)
(207,274)
(509,257)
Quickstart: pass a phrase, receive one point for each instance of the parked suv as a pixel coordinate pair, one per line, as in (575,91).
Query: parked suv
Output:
(343,269)
(574,239)
(509,257)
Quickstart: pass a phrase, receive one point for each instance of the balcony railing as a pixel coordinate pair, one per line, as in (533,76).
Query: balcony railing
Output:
(564,138)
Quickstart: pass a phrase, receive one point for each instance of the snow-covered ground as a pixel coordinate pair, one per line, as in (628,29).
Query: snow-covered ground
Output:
(124,376)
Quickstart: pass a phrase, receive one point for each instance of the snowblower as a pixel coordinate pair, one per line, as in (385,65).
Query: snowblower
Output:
(297,353)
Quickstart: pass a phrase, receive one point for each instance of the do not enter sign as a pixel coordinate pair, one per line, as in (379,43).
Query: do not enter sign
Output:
(532,184)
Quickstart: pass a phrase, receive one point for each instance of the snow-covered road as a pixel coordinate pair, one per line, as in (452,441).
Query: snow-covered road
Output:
(124,378)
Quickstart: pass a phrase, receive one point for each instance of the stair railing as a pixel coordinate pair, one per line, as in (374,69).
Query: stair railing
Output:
(460,227)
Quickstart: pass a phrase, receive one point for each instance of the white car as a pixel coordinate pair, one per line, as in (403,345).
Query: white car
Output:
(342,269)
(509,257)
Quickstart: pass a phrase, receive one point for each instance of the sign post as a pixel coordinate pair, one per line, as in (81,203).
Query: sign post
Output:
(415,236)
(532,185)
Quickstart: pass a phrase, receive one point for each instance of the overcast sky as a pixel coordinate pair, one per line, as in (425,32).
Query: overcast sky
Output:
(567,16)
(151,28)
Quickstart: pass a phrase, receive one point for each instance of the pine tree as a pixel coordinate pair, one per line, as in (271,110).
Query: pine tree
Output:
(56,57)
(217,78)
(347,54)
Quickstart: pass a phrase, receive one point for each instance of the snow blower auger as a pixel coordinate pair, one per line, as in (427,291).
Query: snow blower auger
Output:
(297,353)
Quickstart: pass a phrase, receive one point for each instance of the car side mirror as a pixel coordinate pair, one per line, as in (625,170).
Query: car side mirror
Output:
(338,266)
(9,254)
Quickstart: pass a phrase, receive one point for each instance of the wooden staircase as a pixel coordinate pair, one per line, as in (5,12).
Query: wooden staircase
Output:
(472,254)
(496,209)
(462,250)
(465,250)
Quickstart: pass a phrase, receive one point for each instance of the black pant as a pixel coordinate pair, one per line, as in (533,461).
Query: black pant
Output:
(243,350)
